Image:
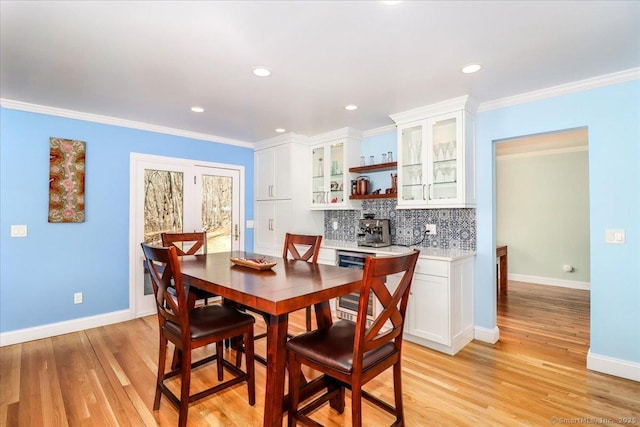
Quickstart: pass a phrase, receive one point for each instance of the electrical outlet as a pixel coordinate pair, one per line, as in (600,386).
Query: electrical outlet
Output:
(430,228)
(77,298)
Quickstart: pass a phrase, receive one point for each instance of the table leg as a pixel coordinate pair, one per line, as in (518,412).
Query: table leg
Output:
(276,361)
(503,274)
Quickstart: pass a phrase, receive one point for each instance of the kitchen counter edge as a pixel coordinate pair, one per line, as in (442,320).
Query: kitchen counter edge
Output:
(426,253)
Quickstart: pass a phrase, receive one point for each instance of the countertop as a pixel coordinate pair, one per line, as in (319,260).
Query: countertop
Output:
(426,253)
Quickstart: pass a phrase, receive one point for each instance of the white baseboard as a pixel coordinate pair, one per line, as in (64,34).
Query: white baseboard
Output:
(550,281)
(59,328)
(486,335)
(609,365)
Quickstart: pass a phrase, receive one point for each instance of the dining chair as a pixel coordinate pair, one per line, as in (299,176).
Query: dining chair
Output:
(189,244)
(353,353)
(293,243)
(189,328)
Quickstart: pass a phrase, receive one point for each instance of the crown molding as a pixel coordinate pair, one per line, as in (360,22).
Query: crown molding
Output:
(349,133)
(460,103)
(114,121)
(577,86)
(294,138)
(379,131)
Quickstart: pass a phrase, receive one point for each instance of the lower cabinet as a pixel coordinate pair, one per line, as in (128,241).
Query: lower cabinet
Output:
(273,220)
(440,309)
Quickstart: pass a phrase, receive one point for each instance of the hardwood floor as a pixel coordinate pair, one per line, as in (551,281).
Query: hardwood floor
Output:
(105,377)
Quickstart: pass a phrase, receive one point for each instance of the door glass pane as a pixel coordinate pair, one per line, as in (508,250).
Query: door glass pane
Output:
(317,174)
(337,178)
(217,212)
(411,158)
(444,159)
(163,208)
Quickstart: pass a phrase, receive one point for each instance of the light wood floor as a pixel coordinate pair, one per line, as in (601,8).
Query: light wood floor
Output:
(105,376)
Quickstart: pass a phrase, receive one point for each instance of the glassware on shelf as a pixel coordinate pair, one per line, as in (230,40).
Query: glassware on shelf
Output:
(390,157)
(384,158)
(372,160)
(320,166)
(362,163)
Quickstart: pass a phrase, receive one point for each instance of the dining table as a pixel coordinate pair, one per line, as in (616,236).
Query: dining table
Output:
(287,286)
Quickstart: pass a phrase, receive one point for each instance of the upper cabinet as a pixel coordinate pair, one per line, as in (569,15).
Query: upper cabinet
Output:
(331,155)
(436,164)
(273,173)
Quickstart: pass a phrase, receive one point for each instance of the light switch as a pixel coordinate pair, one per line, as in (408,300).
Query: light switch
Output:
(18,231)
(615,236)
(249,223)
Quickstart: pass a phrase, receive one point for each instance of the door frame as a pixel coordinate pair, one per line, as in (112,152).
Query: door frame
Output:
(135,255)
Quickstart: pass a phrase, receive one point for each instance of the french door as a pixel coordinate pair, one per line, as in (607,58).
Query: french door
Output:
(177,195)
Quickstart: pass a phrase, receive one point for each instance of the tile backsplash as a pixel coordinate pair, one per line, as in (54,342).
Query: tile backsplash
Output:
(456,228)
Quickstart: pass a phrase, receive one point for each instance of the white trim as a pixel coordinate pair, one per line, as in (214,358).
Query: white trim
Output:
(612,366)
(486,335)
(115,121)
(379,131)
(66,327)
(444,107)
(549,281)
(289,138)
(335,135)
(565,89)
(539,153)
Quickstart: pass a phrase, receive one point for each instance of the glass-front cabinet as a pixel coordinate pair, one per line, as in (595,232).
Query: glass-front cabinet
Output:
(330,178)
(436,166)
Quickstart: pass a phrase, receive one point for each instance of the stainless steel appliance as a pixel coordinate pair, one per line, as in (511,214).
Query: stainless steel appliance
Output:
(347,305)
(374,233)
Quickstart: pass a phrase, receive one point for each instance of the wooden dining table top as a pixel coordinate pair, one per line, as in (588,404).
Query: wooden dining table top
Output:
(288,286)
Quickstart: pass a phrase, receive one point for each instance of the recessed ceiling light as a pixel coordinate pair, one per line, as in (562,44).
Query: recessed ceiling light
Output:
(261,71)
(197,109)
(471,68)
(280,130)
(351,107)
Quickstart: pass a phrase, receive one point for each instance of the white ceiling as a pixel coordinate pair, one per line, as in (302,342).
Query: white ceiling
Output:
(150,61)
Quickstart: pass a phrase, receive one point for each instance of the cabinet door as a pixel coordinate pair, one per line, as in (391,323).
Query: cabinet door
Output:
(445,153)
(328,175)
(271,222)
(273,176)
(411,163)
(428,312)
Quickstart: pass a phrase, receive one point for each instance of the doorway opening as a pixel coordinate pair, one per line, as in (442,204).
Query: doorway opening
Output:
(542,216)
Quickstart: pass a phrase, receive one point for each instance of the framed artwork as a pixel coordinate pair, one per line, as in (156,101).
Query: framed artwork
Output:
(66,180)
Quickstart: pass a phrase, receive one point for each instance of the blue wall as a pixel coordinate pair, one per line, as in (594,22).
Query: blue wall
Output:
(612,115)
(40,273)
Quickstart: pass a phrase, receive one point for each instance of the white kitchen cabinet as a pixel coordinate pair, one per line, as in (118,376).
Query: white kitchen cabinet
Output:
(281,193)
(436,156)
(273,172)
(440,309)
(331,156)
(272,221)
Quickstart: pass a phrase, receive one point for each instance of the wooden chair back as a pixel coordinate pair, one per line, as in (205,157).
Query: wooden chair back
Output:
(186,243)
(292,243)
(168,288)
(394,305)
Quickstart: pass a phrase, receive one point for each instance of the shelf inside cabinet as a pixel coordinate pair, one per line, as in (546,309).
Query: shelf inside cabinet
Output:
(375,168)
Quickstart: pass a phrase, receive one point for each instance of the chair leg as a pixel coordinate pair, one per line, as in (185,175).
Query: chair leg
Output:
(356,405)
(397,387)
(294,390)
(219,359)
(308,318)
(162,360)
(248,354)
(184,387)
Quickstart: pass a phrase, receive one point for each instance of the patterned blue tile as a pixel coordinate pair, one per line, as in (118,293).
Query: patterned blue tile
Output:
(456,227)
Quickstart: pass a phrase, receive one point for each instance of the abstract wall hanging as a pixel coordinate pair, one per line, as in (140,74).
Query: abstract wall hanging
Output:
(66,180)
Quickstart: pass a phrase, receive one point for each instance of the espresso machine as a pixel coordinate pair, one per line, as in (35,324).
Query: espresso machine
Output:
(374,233)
